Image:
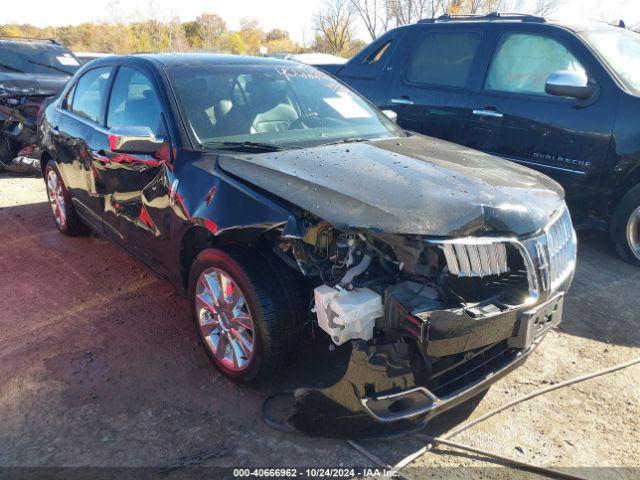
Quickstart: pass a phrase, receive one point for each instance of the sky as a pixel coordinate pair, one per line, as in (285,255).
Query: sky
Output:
(293,16)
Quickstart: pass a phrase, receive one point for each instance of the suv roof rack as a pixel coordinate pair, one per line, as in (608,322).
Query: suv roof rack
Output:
(522,17)
(29,39)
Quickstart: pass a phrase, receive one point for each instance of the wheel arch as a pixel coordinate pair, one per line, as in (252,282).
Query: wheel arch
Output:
(198,238)
(45,157)
(630,181)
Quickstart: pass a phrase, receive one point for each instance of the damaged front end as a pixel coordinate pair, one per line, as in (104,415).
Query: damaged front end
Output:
(19,111)
(422,324)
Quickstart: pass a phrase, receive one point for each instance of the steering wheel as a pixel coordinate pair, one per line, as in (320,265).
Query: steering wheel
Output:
(316,120)
(298,123)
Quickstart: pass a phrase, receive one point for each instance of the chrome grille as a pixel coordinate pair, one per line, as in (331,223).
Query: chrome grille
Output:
(549,256)
(561,251)
(466,259)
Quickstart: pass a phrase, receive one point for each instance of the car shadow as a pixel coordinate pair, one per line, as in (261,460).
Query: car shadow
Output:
(603,302)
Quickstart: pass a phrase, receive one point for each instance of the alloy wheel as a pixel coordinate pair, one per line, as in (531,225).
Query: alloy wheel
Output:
(57,198)
(225,320)
(633,232)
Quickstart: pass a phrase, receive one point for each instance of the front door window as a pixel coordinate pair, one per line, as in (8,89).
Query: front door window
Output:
(523,62)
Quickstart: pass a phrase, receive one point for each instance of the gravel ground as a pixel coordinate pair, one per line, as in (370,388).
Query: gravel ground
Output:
(100,366)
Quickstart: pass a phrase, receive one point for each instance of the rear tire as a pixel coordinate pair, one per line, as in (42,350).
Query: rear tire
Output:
(245,351)
(64,214)
(625,227)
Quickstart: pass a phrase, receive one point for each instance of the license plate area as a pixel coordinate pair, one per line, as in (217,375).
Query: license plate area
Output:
(537,321)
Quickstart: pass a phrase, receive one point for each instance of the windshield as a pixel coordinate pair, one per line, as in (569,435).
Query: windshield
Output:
(621,50)
(287,106)
(36,58)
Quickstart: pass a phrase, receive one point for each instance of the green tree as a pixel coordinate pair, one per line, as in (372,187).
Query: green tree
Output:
(234,43)
(252,35)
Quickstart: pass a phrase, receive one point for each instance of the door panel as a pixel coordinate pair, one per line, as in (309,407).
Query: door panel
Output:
(513,117)
(134,187)
(76,134)
(430,92)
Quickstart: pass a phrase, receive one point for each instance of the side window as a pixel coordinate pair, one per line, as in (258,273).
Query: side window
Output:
(134,102)
(444,58)
(66,101)
(523,62)
(377,54)
(89,93)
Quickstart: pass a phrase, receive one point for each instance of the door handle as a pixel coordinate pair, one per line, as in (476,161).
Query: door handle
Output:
(401,101)
(487,113)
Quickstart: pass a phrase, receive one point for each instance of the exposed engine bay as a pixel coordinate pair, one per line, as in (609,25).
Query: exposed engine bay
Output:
(374,286)
(19,109)
(423,317)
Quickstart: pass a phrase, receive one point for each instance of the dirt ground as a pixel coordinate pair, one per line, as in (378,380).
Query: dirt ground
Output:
(100,366)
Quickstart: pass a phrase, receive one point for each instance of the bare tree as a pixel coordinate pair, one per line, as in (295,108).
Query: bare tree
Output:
(405,12)
(482,6)
(535,7)
(375,15)
(335,22)
(177,37)
(546,7)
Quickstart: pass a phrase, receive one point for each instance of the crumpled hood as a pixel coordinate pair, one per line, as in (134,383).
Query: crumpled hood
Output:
(415,185)
(32,84)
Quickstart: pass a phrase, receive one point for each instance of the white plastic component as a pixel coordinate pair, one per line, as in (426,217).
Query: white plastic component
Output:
(346,315)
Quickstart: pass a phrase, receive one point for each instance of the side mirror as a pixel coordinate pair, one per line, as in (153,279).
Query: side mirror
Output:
(139,140)
(569,83)
(391,115)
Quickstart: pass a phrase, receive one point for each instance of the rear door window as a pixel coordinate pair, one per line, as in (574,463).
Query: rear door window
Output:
(134,102)
(523,62)
(89,94)
(444,58)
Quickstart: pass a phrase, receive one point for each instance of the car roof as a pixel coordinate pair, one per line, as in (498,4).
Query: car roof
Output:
(200,59)
(37,42)
(523,19)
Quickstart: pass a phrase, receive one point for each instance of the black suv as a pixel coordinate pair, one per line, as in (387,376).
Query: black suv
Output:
(261,187)
(31,70)
(563,99)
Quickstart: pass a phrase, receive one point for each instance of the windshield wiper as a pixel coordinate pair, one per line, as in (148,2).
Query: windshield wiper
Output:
(347,140)
(265,146)
(52,67)
(10,68)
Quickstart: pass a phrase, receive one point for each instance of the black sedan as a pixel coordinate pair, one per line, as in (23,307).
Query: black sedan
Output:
(281,202)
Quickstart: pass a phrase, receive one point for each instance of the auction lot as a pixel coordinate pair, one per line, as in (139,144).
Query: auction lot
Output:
(100,366)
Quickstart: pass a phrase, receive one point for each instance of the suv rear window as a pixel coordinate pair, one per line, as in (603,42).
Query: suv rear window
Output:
(377,54)
(36,58)
(444,58)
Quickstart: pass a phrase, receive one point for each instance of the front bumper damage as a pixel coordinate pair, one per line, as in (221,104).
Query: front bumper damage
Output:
(390,387)
(19,127)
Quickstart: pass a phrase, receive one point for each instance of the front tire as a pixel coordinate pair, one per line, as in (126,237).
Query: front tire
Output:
(246,321)
(625,227)
(62,209)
